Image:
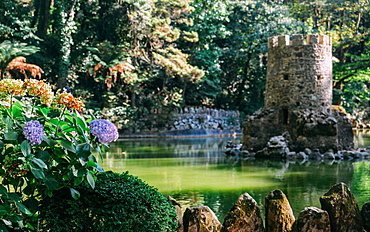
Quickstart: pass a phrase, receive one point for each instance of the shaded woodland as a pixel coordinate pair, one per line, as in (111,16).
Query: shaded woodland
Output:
(132,58)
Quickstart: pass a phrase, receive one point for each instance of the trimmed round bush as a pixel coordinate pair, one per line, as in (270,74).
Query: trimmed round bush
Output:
(119,202)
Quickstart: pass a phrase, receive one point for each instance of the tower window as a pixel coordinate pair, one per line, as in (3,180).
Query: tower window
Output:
(285,116)
(286,77)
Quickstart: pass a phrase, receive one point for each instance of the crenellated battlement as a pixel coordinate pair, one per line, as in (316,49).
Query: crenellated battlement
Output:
(298,39)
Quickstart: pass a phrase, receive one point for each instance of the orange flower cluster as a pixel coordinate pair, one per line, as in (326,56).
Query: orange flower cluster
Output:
(33,87)
(69,101)
(41,89)
(12,87)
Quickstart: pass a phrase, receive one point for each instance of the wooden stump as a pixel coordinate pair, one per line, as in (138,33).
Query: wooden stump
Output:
(343,209)
(245,215)
(279,214)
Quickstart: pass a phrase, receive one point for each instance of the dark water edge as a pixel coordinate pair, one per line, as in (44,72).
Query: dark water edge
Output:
(196,172)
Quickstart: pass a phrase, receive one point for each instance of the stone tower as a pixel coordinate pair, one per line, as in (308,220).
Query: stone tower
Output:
(298,97)
(299,74)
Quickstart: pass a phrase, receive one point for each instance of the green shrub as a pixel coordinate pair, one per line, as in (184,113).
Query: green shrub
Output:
(119,202)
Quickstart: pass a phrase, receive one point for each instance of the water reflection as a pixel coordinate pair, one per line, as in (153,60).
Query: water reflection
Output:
(196,172)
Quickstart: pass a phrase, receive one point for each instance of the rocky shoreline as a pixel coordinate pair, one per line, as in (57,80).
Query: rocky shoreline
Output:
(339,212)
(277,147)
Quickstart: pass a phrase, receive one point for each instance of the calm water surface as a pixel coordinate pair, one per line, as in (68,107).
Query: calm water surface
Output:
(196,172)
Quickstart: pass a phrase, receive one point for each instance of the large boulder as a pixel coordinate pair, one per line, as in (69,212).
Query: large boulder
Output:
(200,219)
(313,219)
(279,214)
(365,212)
(343,209)
(245,215)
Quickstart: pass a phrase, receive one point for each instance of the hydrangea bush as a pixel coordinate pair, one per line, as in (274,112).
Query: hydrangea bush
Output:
(46,144)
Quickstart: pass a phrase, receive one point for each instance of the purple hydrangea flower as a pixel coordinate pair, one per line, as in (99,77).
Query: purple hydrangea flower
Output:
(33,131)
(104,130)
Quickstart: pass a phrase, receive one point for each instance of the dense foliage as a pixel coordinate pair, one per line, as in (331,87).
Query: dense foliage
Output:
(139,57)
(119,202)
(45,145)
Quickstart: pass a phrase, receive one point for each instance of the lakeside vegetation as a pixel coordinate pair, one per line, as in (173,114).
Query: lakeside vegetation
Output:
(132,58)
(135,57)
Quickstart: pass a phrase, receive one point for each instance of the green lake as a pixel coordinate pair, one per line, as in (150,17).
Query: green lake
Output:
(195,172)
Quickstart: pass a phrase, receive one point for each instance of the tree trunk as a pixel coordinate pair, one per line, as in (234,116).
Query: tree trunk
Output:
(44,13)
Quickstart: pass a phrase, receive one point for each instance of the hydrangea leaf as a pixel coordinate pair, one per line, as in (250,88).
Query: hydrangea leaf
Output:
(37,172)
(25,148)
(39,162)
(67,145)
(11,135)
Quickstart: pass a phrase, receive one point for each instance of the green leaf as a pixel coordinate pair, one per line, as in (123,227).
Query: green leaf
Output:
(44,111)
(84,150)
(43,155)
(49,141)
(51,183)
(3,211)
(99,168)
(16,110)
(91,164)
(1,145)
(81,122)
(39,162)
(90,180)
(9,122)
(11,135)
(22,208)
(25,148)
(75,194)
(67,145)
(3,190)
(37,172)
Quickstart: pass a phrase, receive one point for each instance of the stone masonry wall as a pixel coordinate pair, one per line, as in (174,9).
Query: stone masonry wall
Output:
(299,74)
(188,121)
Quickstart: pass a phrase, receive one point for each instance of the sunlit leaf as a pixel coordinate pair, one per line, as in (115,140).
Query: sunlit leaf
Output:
(39,162)
(75,194)
(22,208)
(90,180)
(37,172)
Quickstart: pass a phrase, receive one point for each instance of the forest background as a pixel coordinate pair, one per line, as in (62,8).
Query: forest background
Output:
(131,59)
